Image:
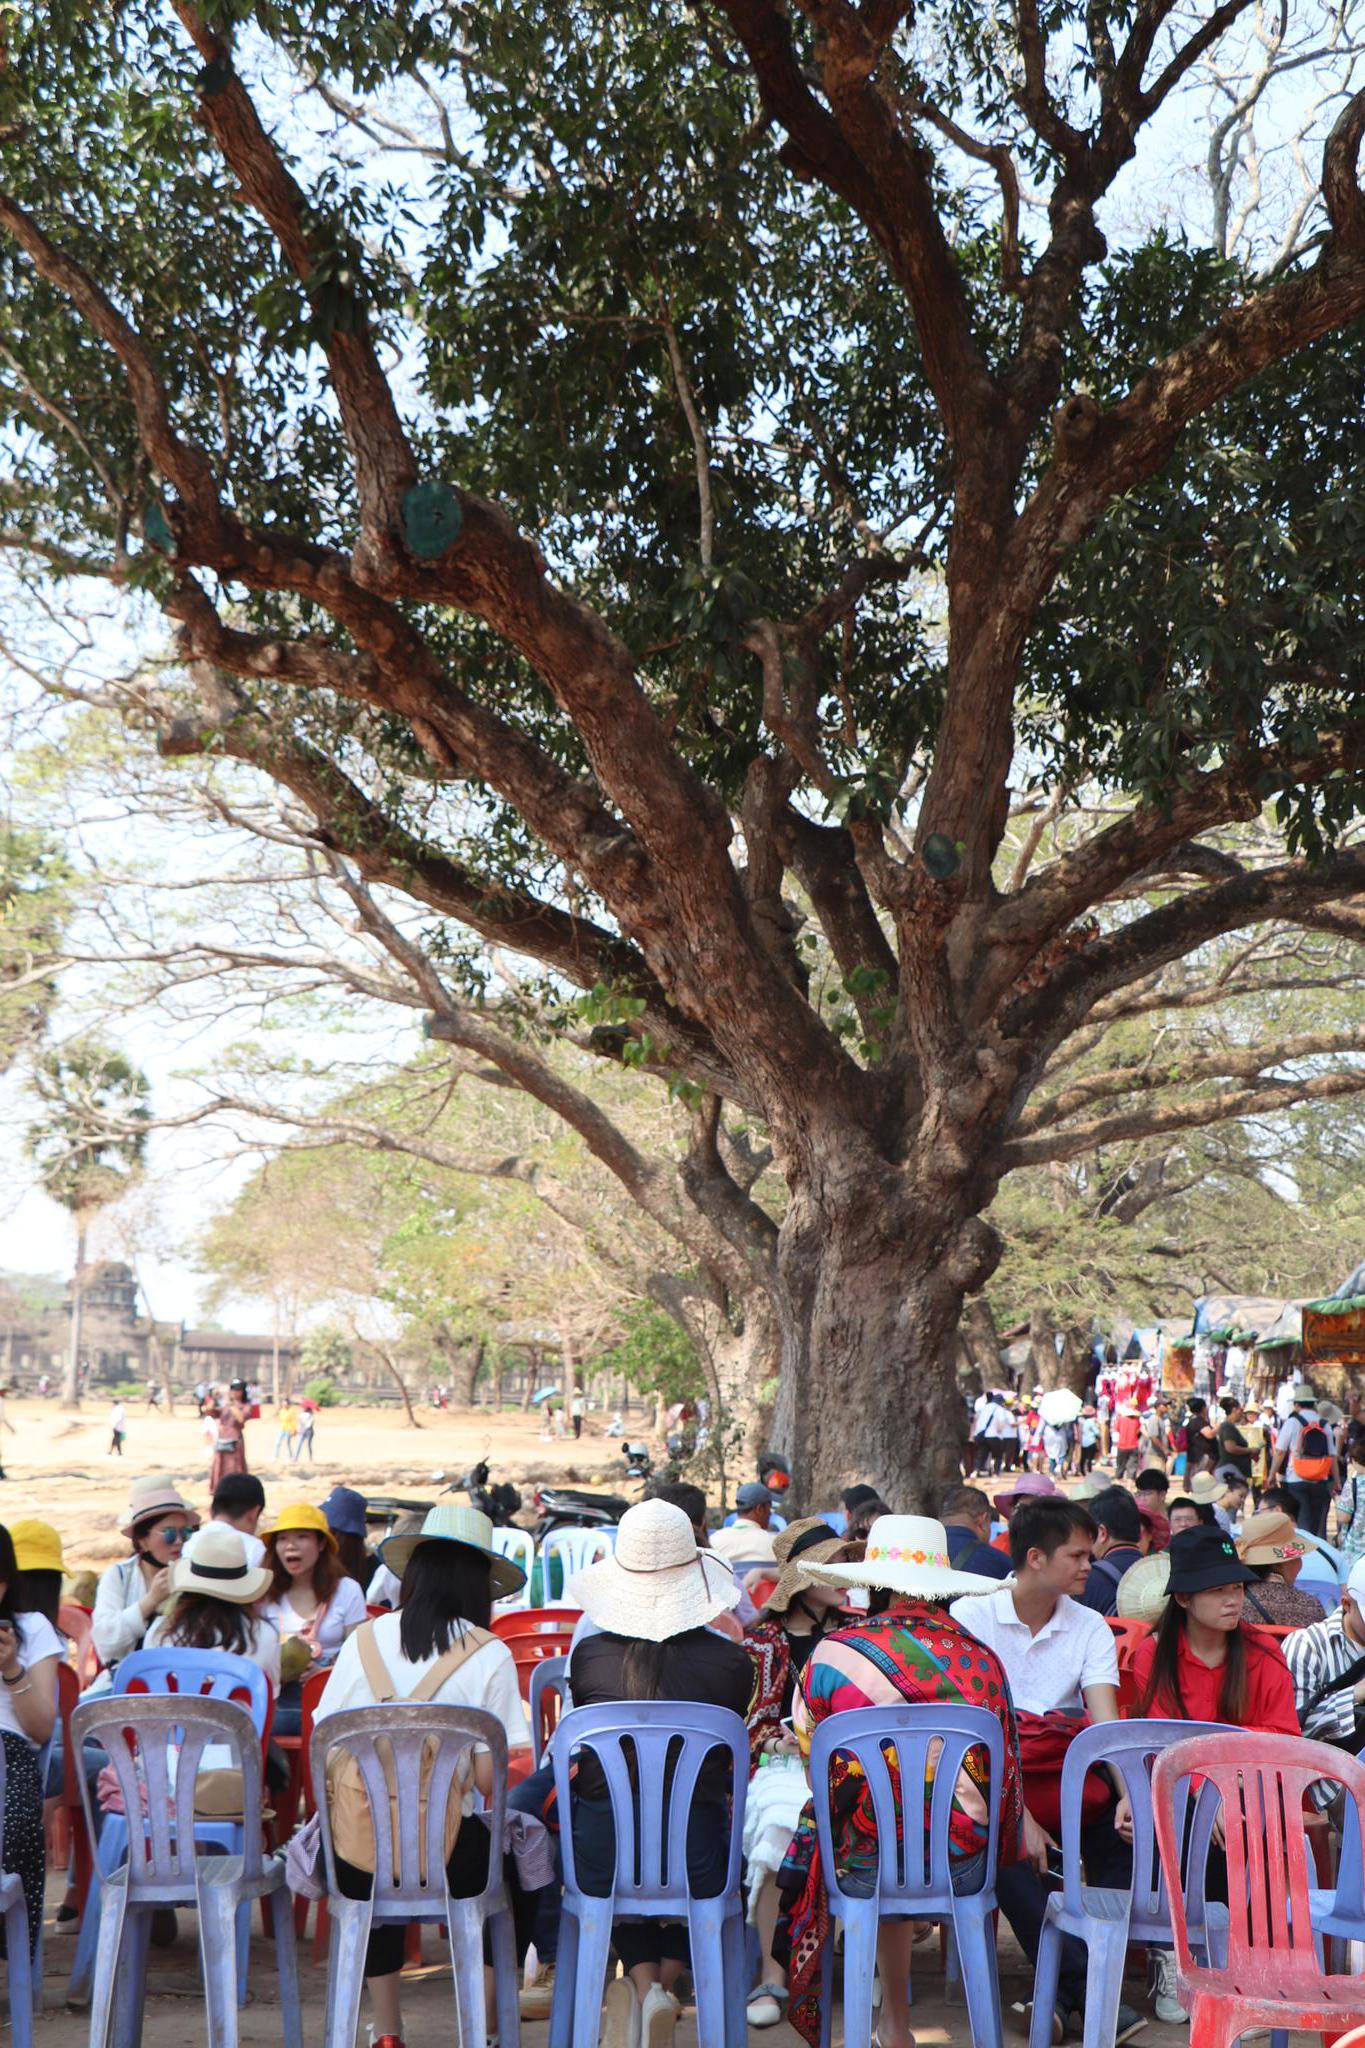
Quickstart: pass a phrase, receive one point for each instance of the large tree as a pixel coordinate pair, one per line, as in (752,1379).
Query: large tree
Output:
(685,487)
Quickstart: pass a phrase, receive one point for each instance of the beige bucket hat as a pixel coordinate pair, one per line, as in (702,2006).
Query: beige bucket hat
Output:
(218,1566)
(656,1583)
(796,1548)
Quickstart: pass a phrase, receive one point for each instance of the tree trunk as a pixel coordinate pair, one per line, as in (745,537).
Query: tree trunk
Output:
(570,1375)
(982,1340)
(872,1273)
(71,1377)
(275,1356)
(390,1366)
(1075,1361)
(1044,1360)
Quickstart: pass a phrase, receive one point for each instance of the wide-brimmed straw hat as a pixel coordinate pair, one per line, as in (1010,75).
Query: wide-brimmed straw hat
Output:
(1270,1538)
(152,1497)
(797,1547)
(449,1523)
(218,1566)
(907,1554)
(1143,1590)
(1207,1490)
(656,1583)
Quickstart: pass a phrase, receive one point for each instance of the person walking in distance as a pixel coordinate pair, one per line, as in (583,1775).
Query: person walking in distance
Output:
(1305,1456)
(118,1429)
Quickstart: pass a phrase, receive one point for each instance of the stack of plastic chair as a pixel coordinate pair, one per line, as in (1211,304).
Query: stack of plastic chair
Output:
(203,1674)
(548,1702)
(1268,1974)
(141,1735)
(387,1744)
(928,1745)
(534,1634)
(14,1916)
(520,1546)
(314,1685)
(651,1752)
(1106,1920)
(573,1550)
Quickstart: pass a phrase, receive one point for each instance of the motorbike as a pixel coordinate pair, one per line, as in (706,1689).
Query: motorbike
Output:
(565,1507)
(501,1502)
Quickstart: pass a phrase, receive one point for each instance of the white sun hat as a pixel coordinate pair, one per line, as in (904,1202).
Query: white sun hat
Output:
(218,1565)
(656,1583)
(906,1554)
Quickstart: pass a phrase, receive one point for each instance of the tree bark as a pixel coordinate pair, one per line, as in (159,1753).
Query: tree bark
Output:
(873,1271)
(71,1376)
(391,1367)
(1044,1358)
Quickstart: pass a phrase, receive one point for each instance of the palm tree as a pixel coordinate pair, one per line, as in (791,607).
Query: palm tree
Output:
(88,1146)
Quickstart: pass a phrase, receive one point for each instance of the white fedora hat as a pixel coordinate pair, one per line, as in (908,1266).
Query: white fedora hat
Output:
(656,1583)
(218,1566)
(906,1554)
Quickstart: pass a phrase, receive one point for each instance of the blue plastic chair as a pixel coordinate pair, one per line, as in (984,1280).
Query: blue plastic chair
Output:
(388,1744)
(551,1675)
(14,1915)
(1105,1918)
(575,1550)
(928,1745)
(149,1739)
(207,1674)
(635,1742)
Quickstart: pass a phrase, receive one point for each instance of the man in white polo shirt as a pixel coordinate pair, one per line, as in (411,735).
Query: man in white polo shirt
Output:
(1059,1657)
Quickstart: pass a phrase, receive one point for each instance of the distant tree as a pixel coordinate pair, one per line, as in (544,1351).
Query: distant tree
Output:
(37,889)
(89,1146)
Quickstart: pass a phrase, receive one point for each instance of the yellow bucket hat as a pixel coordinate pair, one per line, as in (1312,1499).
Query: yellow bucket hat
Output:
(37,1547)
(301,1514)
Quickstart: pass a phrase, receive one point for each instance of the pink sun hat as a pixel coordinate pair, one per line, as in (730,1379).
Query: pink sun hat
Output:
(1029,1486)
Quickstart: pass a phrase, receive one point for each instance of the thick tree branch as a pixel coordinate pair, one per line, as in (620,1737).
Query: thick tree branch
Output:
(1160,1120)
(1228,1063)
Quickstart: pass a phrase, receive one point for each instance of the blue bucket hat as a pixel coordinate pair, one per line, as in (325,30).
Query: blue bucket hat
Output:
(345,1511)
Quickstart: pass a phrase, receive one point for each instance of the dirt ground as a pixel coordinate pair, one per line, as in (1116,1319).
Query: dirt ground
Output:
(174,2017)
(58,1465)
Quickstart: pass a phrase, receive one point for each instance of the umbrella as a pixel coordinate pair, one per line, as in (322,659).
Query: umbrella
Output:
(544,1393)
(1060,1406)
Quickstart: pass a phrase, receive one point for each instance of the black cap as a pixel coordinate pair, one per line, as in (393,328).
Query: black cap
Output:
(1203,1558)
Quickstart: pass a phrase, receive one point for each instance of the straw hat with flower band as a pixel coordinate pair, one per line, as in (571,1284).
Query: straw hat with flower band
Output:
(655,1584)
(797,1547)
(1270,1538)
(907,1554)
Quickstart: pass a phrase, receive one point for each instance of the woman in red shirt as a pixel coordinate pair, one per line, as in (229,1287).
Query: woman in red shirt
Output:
(1201,1663)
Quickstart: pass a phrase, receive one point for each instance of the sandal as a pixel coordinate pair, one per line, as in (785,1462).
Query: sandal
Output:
(766,2005)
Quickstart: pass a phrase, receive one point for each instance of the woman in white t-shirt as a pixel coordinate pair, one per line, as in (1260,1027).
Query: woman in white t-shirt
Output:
(314,1603)
(215,1596)
(450,1577)
(30,1651)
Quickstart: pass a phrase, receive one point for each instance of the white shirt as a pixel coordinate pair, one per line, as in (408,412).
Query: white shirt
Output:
(384,1588)
(37,1640)
(1072,1650)
(1293,1429)
(487,1680)
(263,1649)
(345,1610)
(252,1545)
(743,1543)
(1000,1422)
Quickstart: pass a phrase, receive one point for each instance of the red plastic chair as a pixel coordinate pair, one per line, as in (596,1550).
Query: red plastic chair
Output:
(77,1624)
(68,1836)
(1128,1635)
(534,1633)
(1272,1977)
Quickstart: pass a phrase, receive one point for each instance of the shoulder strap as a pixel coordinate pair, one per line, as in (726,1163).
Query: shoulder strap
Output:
(445,1667)
(377,1674)
(1251,1596)
(1352,1675)
(1111,1571)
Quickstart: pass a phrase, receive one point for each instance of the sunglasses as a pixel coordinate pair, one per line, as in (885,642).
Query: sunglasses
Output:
(171,1532)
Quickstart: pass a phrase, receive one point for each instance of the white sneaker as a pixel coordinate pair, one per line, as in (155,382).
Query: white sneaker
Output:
(1165,2005)
(620,2015)
(658,2018)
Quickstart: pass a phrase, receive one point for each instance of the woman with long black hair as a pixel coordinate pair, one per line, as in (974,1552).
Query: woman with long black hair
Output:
(436,1647)
(1201,1662)
(652,1599)
(30,1651)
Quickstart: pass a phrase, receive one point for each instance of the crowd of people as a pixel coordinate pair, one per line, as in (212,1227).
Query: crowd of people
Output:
(1002,1602)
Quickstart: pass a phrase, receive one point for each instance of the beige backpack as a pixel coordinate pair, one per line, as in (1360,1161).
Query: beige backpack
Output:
(347,1804)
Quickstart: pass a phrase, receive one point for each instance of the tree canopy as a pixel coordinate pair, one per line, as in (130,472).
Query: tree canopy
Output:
(664,485)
